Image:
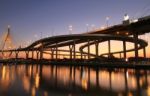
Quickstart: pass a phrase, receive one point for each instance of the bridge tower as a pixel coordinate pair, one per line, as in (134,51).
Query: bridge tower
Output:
(6,42)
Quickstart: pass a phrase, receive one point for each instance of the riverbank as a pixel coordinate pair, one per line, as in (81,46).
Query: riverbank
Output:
(119,64)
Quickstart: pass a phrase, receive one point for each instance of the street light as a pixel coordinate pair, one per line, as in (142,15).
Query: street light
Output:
(126,17)
(87,28)
(107,19)
(70,29)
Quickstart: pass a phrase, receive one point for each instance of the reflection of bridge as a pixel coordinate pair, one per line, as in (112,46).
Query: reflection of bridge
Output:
(123,32)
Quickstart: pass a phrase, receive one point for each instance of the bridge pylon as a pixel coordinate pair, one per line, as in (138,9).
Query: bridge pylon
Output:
(6,43)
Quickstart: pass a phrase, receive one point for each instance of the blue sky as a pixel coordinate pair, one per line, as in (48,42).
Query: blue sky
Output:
(31,17)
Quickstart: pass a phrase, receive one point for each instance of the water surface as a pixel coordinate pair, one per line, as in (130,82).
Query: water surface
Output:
(48,80)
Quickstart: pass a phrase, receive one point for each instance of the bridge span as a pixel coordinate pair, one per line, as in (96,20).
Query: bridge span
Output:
(122,32)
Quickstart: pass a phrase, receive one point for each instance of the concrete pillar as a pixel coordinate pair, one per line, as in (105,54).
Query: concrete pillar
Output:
(41,53)
(136,45)
(109,48)
(52,53)
(16,52)
(88,49)
(144,52)
(124,49)
(74,49)
(27,54)
(37,55)
(70,48)
(96,48)
(120,55)
(56,51)
(32,54)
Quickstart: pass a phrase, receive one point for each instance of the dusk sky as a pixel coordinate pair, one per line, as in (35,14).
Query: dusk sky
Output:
(31,17)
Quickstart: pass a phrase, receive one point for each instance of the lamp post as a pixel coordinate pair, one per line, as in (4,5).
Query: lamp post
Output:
(70,29)
(107,19)
(87,28)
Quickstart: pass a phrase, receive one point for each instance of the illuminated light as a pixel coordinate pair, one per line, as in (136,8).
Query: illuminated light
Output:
(141,81)
(102,27)
(8,26)
(30,71)
(33,92)
(126,59)
(84,84)
(107,18)
(130,94)
(127,33)
(70,29)
(126,17)
(38,45)
(148,91)
(118,32)
(37,79)
(3,72)
(135,20)
(87,24)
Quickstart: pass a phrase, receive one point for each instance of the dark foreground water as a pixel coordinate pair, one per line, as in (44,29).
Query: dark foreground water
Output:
(47,80)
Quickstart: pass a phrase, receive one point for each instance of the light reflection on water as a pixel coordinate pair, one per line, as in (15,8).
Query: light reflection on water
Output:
(48,80)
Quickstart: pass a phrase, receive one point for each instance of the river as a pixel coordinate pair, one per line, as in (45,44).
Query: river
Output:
(52,80)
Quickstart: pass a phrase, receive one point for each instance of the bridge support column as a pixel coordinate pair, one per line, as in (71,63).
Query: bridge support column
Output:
(144,52)
(17,53)
(136,45)
(37,55)
(32,54)
(109,48)
(27,54)
(96,48)
(70,49)
(56,47)
(88,49)
(81,56)
(41,53)
(52,53)
(124,49)
(120,55)
(74,49)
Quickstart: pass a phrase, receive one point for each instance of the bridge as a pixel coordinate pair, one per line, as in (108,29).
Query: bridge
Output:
(73,46)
